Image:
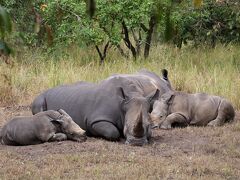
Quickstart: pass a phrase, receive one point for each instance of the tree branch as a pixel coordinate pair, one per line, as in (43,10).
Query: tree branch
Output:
(99,53)
(103,55)
(144,27)
(127,40)
(122,51)
(152,23)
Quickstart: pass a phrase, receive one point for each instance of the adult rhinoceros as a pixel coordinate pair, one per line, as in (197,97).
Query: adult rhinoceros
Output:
(115,107)
(147,81)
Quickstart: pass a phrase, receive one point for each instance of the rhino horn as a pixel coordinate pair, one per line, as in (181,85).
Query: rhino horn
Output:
(138,126)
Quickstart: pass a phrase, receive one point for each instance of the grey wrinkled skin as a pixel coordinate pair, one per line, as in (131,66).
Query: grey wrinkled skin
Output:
(42,127)
(147,82)
(116,107)
(185,109)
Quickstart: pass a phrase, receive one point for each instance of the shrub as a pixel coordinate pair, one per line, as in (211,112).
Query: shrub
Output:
(213,22)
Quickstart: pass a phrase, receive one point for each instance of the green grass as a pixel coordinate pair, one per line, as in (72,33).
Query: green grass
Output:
(214,71)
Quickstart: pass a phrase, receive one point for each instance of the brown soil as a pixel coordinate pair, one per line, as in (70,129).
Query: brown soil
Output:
(192,152)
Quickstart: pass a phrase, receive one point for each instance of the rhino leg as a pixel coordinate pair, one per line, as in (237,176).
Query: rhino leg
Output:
(225,114)
(172,119)
(58,137)
(106,130)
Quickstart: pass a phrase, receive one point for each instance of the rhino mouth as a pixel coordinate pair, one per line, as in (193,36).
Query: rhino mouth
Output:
(77,137)
(155,126)
(136,141)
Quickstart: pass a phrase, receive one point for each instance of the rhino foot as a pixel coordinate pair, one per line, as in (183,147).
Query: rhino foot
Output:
(214,123)
(166,126)
(58,137)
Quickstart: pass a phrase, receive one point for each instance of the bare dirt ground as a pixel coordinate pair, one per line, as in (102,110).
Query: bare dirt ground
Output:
(181,153)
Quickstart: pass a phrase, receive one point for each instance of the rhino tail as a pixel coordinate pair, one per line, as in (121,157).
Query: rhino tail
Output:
(39,104)
(165,74)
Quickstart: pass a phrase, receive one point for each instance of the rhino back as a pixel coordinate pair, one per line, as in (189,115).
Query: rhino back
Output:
(86,103)
(146,82)
(204,108)
(74,99)
(20,131)
(163,84)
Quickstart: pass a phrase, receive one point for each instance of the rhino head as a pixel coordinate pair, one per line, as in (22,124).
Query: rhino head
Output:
(137,127)
(161,109)
(69,127)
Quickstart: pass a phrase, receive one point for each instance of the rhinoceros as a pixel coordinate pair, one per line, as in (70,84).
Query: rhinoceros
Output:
(42,127)
(147,81)
(117,106)
(199,109)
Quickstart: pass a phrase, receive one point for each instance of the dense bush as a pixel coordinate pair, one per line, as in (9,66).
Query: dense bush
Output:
(5,28)
(213,22)
(126,25)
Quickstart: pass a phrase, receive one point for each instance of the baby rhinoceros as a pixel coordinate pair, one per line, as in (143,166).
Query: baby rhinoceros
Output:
(41,127)
(182,109)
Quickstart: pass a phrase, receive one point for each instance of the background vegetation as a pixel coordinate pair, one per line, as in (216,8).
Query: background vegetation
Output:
(56,42)
(131,27)
(214,71)
(45,43)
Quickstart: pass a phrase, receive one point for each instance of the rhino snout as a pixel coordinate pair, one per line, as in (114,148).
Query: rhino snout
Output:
(77,137)
(76,133)
(136,141)
(81,132)
(155,120)
(76,129)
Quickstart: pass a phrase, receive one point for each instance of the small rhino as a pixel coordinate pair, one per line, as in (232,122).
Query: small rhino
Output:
(182,109)
(42,127)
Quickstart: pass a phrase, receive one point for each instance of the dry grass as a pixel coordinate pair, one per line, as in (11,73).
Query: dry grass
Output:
(192,70)
(189,153)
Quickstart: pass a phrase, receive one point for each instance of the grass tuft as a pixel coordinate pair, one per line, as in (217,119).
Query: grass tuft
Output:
(214,71)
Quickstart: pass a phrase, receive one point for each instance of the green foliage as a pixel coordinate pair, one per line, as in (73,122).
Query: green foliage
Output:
(5,22)
(22,19)
(72,24)
(104,23)
(212,23)
(5,28)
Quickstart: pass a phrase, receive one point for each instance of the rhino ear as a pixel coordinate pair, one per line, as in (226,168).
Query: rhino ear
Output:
(57,121)
(153,96)
(166,97)
(63,113)
(122,94)
(165,74)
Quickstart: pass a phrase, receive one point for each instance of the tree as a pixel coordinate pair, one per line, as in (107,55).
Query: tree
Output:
(110,23)
(213,22)
(5,28)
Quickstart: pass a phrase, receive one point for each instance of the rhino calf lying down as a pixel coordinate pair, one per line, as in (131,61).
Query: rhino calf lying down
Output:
(42,127)
(179,108)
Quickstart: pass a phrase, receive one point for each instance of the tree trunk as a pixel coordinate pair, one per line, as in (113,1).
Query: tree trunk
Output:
(103,55)
(122,51)
(152,24)
(127,40)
